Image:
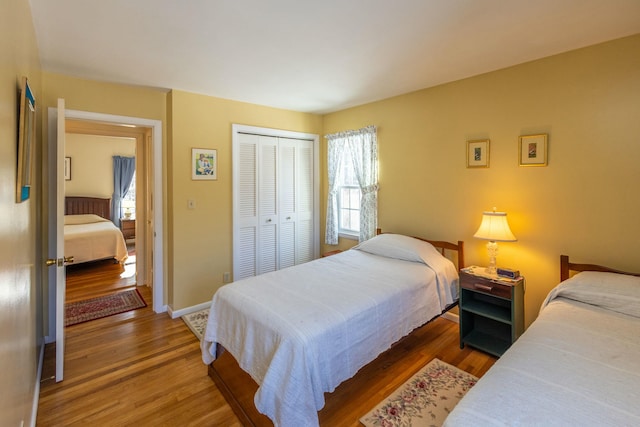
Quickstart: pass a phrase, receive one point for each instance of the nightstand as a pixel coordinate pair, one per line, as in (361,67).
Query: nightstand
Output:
(128,228)
(491,310)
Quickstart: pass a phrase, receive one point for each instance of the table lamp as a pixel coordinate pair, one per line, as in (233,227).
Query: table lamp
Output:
(494,228)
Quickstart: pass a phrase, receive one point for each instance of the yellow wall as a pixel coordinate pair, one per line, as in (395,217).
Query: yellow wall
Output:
(585,203)
(202,238)
(92,163)
(21,327)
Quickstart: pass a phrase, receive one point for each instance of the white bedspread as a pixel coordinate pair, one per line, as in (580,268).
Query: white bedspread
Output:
(578,364)
(301,331)
(90,238)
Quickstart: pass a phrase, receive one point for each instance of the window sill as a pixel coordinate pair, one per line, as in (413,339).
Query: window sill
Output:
(349,236)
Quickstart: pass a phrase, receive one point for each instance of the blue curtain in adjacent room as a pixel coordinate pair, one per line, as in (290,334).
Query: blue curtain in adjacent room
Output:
(123,170)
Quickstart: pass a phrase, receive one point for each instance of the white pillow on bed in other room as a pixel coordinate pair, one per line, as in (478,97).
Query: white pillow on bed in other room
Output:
(398,246)
(82,219)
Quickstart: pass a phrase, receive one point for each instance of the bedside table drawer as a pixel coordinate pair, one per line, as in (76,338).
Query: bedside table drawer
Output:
(488,287)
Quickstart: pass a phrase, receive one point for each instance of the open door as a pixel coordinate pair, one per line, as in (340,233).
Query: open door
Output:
(56,260)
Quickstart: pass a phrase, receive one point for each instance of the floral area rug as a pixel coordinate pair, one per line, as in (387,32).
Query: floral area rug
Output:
(197,321)
(96,308)
(424,400)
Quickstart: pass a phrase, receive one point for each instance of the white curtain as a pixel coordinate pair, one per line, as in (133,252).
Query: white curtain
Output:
(364,154)
(362,146)
(336,149)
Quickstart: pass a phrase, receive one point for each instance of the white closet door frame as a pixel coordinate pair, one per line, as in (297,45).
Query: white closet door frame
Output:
(315,139)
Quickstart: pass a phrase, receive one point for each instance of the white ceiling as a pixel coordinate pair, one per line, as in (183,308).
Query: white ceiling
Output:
(313,56)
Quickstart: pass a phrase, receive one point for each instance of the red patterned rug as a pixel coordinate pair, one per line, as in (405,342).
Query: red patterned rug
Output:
(96,308)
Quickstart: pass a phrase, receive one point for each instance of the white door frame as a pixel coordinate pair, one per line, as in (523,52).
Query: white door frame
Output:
(158,249)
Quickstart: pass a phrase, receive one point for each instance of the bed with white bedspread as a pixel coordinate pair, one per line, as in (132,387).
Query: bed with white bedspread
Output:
(90,237)
(578,364)
(301,331)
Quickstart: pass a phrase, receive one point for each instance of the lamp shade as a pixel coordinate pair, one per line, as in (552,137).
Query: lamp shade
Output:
(494,227)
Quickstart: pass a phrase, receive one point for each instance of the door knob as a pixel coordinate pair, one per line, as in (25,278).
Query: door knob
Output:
(59,262)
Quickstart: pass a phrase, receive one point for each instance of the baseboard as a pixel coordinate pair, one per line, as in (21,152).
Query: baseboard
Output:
(36,389)
(452,317)
(188,310)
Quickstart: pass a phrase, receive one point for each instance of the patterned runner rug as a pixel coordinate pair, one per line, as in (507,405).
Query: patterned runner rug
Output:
(197,321)
(424,400)
(108,305)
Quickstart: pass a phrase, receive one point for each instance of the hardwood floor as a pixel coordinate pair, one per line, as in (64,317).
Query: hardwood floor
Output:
(135,368)
(141,368)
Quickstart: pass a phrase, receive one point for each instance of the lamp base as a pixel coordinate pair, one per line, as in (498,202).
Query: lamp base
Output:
(492,250)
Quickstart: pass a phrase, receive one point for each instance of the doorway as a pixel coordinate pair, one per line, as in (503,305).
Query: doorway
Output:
(155,183)
(102,161)
(97,153)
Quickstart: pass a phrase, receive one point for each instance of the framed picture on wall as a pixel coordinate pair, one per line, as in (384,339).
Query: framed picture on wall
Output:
(533,150)
(67,168)
(204,164)
(478,153)
(26,141)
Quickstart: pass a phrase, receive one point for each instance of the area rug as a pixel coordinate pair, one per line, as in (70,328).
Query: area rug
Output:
(108,305)
(424,400)
(197,321)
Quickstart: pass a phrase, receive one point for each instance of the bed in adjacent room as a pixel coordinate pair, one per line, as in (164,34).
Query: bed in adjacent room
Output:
(89,234)
(301,331)
(577,364)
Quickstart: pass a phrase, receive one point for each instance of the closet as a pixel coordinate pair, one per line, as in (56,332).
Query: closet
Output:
(275,200)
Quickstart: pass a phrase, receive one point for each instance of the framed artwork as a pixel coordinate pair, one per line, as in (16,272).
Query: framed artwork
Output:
(26,141)
(67,168)
(478,153)
(533,150)
(204,164)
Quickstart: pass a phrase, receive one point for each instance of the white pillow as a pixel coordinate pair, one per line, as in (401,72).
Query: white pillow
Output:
(82,219)
(411,249)
(611,291)
(398,246)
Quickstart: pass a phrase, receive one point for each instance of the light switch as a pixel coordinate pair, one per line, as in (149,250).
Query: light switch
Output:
(191,204)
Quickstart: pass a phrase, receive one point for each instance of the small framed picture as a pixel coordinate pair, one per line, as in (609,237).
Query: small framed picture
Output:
(204,164)
(67,168)
(533,150)
(478,153)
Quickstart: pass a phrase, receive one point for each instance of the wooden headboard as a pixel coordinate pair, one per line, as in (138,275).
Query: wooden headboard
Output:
(87,205)
(566,267)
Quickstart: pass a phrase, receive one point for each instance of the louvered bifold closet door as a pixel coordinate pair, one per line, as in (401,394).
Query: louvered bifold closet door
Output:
(268,204)
(295,186)
(275,195)
(246,229)
(287,188)
(304,201)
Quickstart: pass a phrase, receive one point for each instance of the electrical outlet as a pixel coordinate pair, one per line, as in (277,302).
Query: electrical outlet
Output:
(226,277)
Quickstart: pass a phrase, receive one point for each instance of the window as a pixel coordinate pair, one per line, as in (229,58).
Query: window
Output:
(352,172)
(129,201)
(348,200)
